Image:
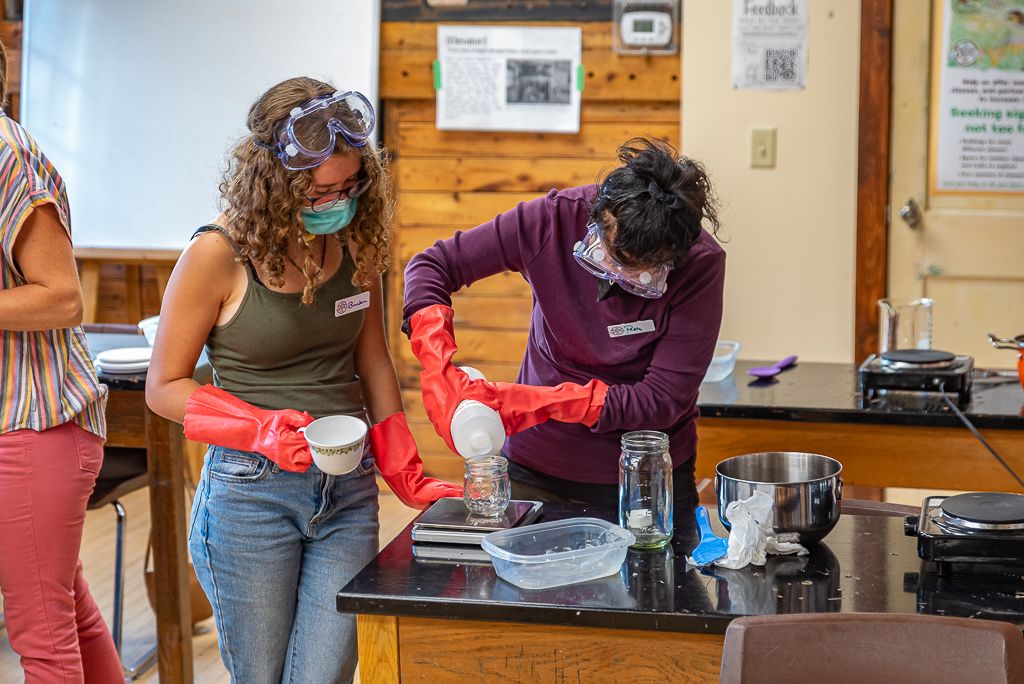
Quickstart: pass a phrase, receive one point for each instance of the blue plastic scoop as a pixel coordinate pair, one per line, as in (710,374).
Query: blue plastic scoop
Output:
(711,546)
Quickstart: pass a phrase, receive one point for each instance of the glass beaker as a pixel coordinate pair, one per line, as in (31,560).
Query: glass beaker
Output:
(486,487)
(645,488)
(904,324)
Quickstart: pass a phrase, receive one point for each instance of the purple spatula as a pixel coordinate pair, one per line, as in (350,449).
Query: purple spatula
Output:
(773,370)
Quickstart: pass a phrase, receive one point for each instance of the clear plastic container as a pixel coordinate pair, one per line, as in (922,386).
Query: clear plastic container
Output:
(557,553)
(723,362)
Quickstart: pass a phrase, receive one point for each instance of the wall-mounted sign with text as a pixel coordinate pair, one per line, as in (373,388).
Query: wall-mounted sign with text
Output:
(769,44)
(508,78)
(977,127)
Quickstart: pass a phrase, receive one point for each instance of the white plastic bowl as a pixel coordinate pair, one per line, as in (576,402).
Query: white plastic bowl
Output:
(148,328)
(724,361)
(557,553)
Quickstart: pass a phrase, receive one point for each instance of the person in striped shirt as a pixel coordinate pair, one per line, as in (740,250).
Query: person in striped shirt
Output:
(51,425)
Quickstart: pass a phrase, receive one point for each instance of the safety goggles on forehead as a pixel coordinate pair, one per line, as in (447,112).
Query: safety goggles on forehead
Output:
(593,255)
(306,137)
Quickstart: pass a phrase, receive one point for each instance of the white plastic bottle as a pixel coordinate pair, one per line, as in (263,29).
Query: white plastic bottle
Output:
(476,428)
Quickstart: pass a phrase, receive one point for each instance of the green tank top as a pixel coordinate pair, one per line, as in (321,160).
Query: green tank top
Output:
(277,353)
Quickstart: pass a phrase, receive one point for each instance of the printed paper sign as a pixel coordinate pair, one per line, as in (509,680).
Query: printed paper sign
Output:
(769,44)
(508,78)
(978,128)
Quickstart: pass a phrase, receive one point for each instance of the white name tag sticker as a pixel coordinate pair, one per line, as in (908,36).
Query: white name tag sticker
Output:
(634,328)
(350,304)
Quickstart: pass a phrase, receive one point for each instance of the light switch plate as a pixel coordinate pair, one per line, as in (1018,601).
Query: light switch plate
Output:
(762,148)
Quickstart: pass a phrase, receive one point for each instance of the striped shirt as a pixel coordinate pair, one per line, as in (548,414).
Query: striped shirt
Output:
(46,377)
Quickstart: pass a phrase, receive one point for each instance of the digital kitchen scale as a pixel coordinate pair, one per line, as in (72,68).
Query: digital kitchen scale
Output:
(449,522)
(446,553)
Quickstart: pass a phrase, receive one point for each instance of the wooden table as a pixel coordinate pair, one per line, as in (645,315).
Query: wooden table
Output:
(132,424)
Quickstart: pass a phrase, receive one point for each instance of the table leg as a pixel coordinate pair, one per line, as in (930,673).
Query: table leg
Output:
(90,290)
(164,441)
(378,649)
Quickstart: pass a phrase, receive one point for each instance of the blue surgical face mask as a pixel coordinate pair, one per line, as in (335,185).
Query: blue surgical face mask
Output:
(331,220)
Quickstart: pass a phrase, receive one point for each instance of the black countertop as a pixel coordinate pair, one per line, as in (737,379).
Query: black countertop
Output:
(866,564)
(829,392)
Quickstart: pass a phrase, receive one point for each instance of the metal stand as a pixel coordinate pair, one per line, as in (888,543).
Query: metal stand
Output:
(134,670)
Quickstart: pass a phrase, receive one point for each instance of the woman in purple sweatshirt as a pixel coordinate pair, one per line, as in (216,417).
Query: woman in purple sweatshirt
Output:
(627,303)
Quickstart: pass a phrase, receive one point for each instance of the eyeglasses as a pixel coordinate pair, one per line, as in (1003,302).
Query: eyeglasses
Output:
(593,255)
(325,202)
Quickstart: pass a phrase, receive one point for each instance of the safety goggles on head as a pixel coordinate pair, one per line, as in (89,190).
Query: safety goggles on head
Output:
(306,137)
(593,255)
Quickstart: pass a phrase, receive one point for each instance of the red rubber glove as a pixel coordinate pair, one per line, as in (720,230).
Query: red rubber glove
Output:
(399,464)
(213,416)
(523,406)
(520,406)
(443,385)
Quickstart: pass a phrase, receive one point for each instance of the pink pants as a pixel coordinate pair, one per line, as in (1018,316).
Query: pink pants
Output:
(52,621)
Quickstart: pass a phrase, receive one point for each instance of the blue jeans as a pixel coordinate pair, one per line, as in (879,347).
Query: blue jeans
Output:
(271,549)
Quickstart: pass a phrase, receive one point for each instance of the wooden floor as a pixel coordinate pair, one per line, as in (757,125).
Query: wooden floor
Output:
(98,561)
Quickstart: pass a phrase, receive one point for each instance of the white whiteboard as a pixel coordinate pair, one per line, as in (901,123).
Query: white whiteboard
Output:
(137,102)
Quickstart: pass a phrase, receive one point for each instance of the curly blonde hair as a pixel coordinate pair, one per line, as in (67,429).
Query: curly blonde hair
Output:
(263,200)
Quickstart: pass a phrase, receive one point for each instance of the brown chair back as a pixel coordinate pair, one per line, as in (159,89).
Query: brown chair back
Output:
(869,648)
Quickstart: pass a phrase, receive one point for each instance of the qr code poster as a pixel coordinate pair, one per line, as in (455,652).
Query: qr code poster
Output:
(769,44)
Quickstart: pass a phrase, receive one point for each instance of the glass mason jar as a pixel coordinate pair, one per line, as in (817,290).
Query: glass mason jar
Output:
(486,489)
(645,488)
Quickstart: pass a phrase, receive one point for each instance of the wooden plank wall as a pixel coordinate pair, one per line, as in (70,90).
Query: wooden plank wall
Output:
(10,36)
(451,180)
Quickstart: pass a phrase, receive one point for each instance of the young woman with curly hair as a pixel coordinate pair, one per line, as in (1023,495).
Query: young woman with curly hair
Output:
(284,291)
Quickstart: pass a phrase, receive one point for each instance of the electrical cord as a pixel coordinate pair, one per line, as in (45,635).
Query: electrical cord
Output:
(970,426)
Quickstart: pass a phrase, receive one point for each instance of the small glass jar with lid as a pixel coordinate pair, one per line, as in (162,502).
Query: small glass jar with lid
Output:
(486,487)
(645,488)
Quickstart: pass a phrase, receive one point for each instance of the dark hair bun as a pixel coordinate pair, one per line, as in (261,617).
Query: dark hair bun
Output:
(658,200)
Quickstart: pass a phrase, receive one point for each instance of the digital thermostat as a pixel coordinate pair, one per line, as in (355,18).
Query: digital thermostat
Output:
(645,26)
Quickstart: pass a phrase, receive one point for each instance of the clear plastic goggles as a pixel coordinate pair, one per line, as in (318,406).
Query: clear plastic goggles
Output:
(593,255)
(307,136)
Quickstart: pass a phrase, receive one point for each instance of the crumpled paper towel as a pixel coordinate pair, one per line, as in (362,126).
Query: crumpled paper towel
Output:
(751,537)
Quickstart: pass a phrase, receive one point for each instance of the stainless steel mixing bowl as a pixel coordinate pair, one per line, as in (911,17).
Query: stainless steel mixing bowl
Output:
(806,488)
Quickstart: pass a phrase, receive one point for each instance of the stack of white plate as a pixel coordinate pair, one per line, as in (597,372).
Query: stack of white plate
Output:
(124,361)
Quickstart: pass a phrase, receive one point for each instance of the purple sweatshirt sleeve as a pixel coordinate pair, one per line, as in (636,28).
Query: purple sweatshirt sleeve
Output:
(507,243)
(669,388)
